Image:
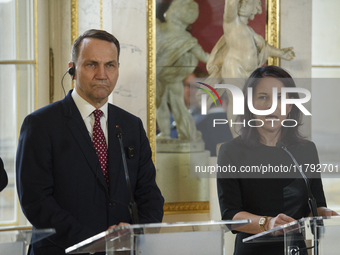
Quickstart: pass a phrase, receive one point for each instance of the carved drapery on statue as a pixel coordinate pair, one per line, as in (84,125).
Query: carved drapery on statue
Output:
(177,56)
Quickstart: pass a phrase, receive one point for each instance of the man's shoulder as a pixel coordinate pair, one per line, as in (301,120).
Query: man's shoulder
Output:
(50,114)
(121,113)
(48,109)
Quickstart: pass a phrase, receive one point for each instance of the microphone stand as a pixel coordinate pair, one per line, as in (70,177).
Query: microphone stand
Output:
(311,200)
(133,206)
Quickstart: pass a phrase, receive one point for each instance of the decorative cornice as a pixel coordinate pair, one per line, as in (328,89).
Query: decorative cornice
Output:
(186,207)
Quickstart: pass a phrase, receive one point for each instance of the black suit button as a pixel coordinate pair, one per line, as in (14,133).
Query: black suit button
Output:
(111,204)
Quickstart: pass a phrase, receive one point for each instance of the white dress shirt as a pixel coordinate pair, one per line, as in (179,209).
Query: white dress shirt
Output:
(86,112)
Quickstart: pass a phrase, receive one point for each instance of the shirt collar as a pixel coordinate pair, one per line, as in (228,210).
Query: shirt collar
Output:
(86,108)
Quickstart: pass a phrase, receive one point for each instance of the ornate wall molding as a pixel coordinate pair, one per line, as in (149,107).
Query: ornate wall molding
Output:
(273,28)
(186,207)
(74,24)
(151,75)
(101,14)
(74,20)
(36,95)
(51,65)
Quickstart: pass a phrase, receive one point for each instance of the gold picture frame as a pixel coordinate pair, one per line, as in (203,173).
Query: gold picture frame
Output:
(272,36)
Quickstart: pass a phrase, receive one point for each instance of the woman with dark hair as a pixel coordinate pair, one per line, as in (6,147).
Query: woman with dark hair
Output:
(3,176)
(267,199)
(275,76)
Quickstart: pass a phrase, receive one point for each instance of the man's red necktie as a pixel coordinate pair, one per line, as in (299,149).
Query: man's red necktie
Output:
(99,143)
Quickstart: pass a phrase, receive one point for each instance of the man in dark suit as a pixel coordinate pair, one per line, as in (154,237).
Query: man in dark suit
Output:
(3,176)
(63,181)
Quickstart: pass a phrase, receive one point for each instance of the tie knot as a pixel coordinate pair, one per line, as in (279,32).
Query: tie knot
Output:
(97,114)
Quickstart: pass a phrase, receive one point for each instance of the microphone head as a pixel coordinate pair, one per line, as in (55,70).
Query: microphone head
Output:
(119,132)
(280,145)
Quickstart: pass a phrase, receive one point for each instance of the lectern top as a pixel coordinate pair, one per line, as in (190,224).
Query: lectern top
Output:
(26,234)
(99,241)
(296,227)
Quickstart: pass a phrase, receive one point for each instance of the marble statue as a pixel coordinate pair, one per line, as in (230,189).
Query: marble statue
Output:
(240,50)
(177,56)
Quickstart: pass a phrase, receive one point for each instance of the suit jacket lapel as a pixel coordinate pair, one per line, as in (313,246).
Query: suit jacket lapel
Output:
(80,133)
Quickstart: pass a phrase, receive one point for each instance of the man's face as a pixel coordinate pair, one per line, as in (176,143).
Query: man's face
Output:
(96,70)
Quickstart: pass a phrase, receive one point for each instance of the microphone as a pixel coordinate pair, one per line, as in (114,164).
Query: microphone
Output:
(311,199)
(133,206)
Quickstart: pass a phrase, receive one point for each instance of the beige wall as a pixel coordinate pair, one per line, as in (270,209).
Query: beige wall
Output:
(325,92)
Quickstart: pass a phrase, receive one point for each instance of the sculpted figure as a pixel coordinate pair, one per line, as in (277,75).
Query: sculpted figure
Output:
(177,56)
(240,50)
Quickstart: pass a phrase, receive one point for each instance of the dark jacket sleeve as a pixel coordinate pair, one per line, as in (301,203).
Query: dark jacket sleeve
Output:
(3,176)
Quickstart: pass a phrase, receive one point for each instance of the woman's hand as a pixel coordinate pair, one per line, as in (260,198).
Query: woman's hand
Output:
(279,220)
(330,212)
(254,227)
(324,211)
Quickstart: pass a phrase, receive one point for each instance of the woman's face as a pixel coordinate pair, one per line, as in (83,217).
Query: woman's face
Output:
(263,100)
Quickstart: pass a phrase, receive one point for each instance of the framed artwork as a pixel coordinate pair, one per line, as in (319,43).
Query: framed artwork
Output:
(207,29)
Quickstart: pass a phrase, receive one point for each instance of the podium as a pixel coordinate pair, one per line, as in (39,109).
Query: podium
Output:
(14,240)
(161,238)
(307,236)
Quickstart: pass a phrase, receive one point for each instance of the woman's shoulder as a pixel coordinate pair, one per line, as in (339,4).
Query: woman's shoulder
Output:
(305,151)
(304,145)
